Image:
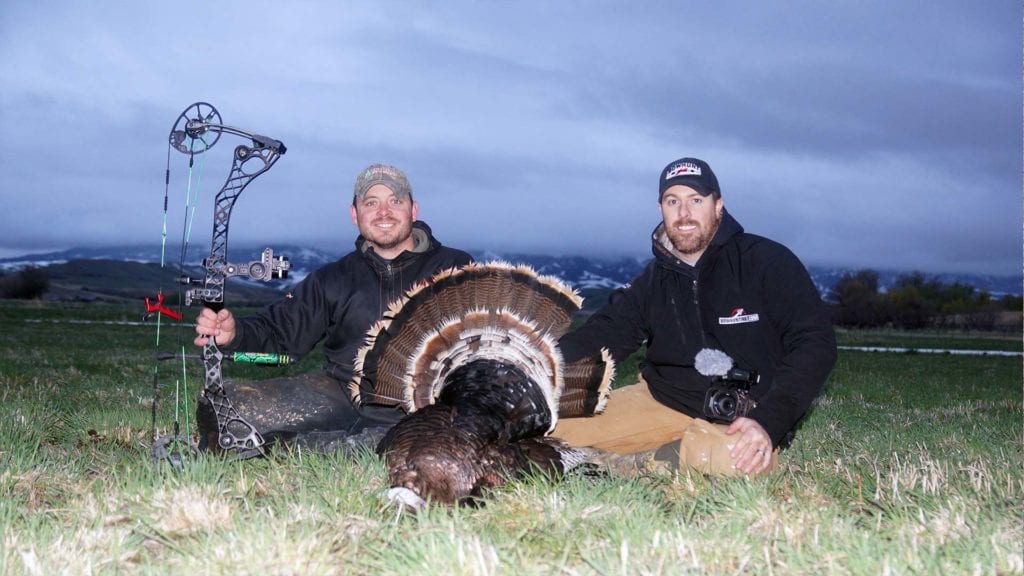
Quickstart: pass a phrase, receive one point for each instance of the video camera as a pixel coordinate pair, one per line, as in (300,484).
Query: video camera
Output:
(728,398)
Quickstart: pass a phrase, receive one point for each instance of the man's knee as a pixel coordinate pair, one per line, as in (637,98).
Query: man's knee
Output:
(705,447)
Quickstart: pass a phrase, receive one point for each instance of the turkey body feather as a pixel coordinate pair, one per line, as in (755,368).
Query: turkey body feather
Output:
(488,424)
(472,356)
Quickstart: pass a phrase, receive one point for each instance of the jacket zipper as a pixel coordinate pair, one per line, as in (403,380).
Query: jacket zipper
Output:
(700,320)
(388,289)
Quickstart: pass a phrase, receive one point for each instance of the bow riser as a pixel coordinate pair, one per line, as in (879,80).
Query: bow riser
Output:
(217,267)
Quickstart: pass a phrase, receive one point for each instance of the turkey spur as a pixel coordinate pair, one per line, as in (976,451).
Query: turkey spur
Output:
(472,357)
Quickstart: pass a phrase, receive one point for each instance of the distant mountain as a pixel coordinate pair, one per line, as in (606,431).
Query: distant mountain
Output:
(90,280)
(591,276)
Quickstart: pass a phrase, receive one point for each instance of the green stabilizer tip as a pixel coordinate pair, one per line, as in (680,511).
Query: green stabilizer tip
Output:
(261,358)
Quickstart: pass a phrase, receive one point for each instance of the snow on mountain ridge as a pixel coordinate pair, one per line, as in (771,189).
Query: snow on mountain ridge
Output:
(579,271)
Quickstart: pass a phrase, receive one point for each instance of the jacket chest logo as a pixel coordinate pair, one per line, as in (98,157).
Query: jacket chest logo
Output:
(738,316)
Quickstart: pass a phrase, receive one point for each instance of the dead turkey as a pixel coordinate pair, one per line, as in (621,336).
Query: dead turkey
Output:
(472,357)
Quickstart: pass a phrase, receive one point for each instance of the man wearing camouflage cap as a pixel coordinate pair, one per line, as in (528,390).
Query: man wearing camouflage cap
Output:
(335,305)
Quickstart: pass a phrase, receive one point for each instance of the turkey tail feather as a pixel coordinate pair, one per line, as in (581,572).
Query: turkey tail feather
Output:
(587,385)
(486,310)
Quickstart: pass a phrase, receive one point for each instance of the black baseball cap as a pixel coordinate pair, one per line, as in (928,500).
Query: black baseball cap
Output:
(689,172)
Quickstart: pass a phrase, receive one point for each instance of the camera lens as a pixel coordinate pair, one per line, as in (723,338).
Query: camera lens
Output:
(727,406)
(722,405)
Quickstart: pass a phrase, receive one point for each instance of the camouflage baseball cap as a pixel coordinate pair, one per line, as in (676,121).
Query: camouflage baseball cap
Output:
(389,176)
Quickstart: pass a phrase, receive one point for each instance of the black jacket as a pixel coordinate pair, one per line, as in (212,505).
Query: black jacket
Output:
(747,296)
(339,302)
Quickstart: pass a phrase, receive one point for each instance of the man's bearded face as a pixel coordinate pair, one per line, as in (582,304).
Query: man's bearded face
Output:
(691,219)
(384,219)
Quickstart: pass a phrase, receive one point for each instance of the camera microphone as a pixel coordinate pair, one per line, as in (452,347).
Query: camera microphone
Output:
(712,362)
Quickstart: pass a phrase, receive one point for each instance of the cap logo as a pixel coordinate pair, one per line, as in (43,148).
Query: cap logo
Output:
(380,171)
(683,169)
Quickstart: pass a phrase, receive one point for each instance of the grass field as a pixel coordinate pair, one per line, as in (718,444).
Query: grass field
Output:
(908,464)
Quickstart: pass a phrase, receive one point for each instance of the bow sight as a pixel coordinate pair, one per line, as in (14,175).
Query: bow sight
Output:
(267,268)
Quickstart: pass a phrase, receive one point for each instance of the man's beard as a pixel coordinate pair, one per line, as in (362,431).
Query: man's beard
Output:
(386,240)
(692,243)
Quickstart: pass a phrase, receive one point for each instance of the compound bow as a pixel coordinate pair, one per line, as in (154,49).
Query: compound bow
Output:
(196,130)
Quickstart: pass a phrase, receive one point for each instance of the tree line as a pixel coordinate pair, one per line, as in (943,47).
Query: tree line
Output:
(29,283)
(916,301)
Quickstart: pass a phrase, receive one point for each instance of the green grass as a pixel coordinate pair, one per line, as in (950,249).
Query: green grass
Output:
(931,340)
(908,464)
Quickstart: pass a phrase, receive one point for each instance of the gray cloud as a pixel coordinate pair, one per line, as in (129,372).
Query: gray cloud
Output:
(862,134)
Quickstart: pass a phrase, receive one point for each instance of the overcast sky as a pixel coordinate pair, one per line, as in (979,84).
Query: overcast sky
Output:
(884,135)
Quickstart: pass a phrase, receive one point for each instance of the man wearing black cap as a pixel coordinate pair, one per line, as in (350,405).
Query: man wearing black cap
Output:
(738,341)
(336,304)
